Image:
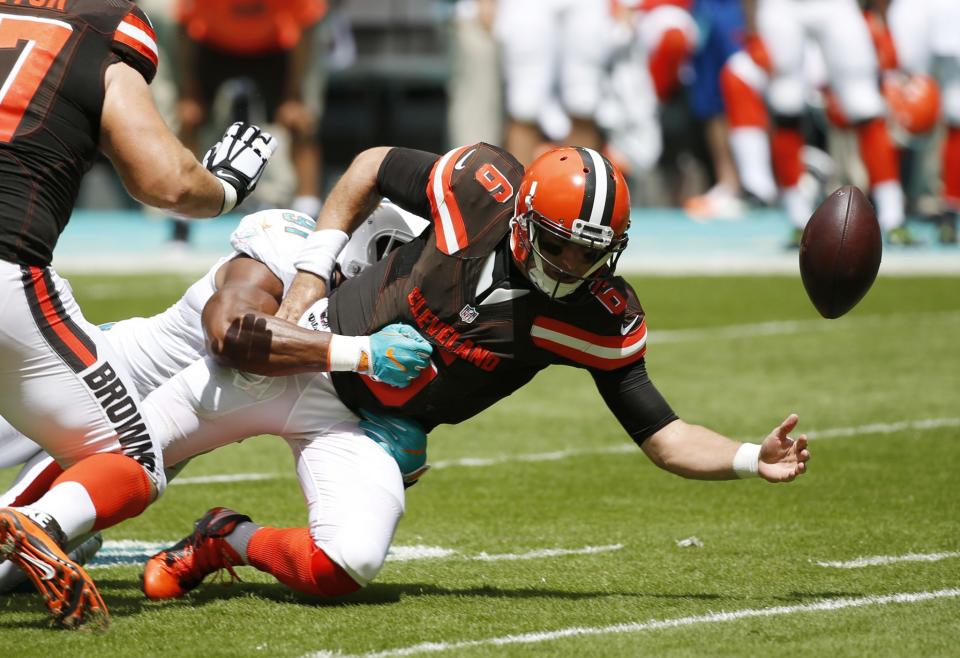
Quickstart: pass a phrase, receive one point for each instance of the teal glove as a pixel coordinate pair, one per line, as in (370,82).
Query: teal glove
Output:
(402,438)
(397,354)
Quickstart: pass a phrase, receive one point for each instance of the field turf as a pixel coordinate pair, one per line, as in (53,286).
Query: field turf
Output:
(542,530)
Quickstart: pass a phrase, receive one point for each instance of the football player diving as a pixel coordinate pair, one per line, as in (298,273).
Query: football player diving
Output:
(515,273)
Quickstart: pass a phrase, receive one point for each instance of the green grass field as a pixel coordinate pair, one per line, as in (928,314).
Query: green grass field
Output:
(877,389)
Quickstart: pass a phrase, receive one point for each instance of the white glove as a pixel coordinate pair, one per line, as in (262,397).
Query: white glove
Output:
(238,160)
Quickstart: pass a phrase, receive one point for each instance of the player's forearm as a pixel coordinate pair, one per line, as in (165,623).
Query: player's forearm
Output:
(692,451)
(351,201)
(155,167)
(262,344)
(185,187)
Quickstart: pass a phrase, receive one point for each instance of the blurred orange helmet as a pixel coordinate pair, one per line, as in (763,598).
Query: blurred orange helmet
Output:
(571,200)
(914,101)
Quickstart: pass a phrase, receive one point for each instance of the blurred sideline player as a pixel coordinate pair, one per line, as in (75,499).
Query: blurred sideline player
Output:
(154,349)
(925,33)
(675,35)
(776,44)
(651,41)
(514,274)
(721,23)
(269,42)
(552,47)
(74,78)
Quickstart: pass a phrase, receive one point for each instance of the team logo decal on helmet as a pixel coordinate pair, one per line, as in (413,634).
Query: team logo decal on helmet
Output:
(571,218)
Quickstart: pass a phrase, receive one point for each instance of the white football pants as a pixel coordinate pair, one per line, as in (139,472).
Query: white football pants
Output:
(353,488)
(61,382)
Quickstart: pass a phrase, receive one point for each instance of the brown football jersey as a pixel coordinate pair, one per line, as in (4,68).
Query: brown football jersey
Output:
(53,55)
(457,284)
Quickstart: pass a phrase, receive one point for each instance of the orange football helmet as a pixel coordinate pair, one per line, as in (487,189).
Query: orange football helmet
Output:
(571,218)
(914,101)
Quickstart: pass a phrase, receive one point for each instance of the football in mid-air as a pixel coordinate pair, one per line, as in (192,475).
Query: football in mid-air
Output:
(840,252)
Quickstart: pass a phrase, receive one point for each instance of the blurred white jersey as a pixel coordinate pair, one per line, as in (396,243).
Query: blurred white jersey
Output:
(923,30)
(926,34)
(841,32)
(553,49)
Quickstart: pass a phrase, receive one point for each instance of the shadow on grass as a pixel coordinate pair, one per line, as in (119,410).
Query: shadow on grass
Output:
(125,599)
(794,597)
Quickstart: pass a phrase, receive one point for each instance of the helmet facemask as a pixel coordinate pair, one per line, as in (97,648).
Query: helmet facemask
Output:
(546,242)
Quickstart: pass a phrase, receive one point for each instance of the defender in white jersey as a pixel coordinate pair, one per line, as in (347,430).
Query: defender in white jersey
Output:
(155,349)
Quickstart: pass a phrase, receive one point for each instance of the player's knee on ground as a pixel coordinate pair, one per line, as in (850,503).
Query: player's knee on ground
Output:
(359,558)
(360,540)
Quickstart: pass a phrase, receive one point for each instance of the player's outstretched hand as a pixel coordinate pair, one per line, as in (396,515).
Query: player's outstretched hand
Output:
(239,159)
(397,354)
(783,458)
(403,439)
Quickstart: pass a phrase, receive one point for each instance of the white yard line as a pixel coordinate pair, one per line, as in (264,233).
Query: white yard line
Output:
(786,327)
(475,462)
(546,552)
(133,552)
(126,552)
(923,424)
(828,605)
(234,477)
(879,560)
(884,428)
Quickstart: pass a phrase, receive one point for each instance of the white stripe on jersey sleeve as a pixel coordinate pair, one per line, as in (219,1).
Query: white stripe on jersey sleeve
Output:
(139,35)
(446,222)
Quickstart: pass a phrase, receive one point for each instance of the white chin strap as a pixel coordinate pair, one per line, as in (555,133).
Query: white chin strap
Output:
(550,287)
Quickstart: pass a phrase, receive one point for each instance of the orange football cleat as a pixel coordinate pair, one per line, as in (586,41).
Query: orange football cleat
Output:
(173,572)
(70,594)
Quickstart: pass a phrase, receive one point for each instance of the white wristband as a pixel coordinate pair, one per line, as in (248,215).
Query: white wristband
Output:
(349,354)
(746,463)
(319,254)
(229,196)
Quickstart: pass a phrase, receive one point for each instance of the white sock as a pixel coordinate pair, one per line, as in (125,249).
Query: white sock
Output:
(889,198)
(751,152)
(70,504)
(798,205)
